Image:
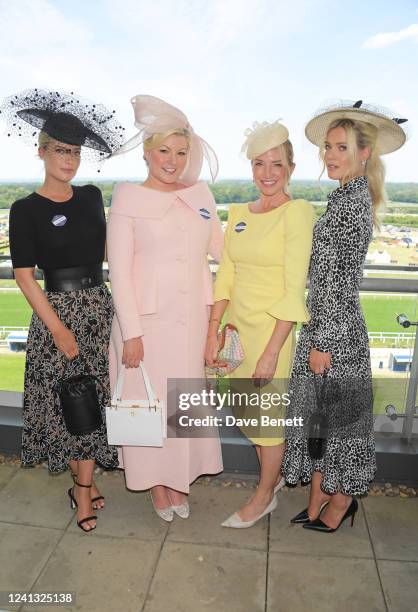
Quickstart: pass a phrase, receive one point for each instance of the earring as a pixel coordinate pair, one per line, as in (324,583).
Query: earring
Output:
(363,162)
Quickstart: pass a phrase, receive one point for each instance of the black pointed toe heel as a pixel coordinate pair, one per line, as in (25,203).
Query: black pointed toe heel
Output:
(74,504)
(318,525)
(303,517)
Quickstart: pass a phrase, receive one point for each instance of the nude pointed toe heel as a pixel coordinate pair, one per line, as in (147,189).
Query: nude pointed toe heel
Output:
(279,485)
(235,522)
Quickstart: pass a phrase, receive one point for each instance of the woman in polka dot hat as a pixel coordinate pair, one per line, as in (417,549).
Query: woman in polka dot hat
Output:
(61,229)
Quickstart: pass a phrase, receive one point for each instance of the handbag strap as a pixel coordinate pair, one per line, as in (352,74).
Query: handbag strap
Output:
(321,393)
(222,335)
(83,360)
(148,387)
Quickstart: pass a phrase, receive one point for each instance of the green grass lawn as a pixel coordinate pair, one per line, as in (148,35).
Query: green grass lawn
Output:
(14,309)
(11,371)
(385,391)
(380,310)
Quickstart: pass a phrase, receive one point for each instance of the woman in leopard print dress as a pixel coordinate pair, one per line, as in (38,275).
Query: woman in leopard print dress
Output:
(331,369)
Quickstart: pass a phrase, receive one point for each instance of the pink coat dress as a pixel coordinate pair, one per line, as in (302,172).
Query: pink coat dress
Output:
(158,244)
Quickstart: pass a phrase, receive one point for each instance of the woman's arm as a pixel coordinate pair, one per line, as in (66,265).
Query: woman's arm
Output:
(346,228)
(222,294)
(63,338)
(267,364)
(120,250)
(212,345)
(216,238)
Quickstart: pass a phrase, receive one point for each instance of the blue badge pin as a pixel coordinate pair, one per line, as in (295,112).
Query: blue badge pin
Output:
(59,220)
(240,227)
(204,213)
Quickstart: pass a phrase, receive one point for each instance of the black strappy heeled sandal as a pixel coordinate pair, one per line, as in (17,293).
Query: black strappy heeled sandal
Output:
(94,499)
(74,505)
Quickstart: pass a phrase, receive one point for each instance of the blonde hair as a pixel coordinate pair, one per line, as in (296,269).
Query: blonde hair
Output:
(43,140)
(157,139)
(290,164)
(285,148)
(359,136)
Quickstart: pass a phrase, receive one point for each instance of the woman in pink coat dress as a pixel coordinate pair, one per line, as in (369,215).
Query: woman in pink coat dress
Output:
(159,237)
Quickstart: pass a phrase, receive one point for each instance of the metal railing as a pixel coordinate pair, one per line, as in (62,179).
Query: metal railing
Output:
(8,329)
(377,285)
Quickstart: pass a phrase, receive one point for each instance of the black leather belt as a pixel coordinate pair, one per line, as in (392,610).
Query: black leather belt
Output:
(73,279)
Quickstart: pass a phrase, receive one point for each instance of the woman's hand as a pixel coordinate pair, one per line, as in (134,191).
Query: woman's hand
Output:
(211,350)
(265,368)
(318,361)
(65,342)
(133,352)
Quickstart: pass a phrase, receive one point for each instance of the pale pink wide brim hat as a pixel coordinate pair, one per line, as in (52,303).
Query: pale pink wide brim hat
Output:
(154,116)
(391,136)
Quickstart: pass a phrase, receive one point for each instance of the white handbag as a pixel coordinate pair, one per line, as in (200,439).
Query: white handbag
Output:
(135,422)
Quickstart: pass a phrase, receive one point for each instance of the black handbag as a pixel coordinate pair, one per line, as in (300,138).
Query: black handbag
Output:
(318,425)
(80,403)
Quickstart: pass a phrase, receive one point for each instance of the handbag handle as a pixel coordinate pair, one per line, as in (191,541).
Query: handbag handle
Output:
(57,385)
(148,387)
(321,393)
(223,334)
(81,358)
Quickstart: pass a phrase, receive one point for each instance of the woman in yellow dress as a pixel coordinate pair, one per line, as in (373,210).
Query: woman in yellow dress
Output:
(261,283)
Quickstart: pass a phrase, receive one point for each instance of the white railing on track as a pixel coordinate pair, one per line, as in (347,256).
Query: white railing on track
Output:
(8,329)
(5,330)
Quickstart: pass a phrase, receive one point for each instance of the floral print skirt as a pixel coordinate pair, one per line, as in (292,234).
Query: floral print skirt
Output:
(88,313)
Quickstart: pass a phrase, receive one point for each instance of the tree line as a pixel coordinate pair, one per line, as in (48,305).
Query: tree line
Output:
(230,191)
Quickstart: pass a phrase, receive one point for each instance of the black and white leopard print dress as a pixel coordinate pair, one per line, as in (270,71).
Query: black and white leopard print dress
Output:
(340,242)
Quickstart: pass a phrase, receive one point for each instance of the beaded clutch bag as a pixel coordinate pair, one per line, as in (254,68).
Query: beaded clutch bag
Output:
(230,354)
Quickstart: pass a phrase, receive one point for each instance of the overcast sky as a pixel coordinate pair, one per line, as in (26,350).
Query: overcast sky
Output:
(225,63)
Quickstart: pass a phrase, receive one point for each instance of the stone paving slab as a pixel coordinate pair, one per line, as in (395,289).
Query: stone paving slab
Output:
(285,537)
(127,513)
(24,550)
(34,497)
(107,574)
(135,561)
(400,584)
(393,524)
(6,473)
(209,507)
(203,578)
(299,583)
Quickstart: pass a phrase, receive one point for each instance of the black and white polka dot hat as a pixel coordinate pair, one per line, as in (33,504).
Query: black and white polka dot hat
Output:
(65,117)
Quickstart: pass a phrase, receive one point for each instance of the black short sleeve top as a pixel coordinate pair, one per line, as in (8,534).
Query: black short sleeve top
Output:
(54,235)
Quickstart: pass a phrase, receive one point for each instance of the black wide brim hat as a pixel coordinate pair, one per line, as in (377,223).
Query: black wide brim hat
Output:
(65,117)
(391,134)
(64,127)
